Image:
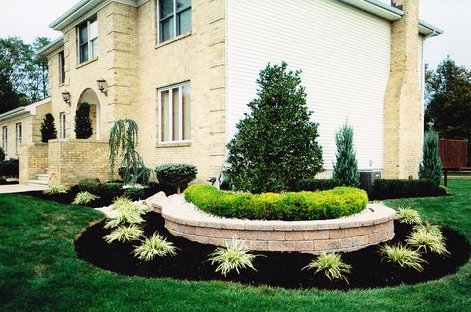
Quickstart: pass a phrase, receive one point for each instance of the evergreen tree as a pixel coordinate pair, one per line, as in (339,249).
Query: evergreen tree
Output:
(275,145)
(83,123)
(48,129)
(431,166)
(346,167)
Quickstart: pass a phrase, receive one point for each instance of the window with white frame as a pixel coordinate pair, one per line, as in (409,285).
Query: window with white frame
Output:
(174,18)
(62,125)
(87,40)
(61,60)
(19,136)
(5,139)
(174,108)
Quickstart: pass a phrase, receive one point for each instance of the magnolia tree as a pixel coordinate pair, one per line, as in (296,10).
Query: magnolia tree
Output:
(275,145)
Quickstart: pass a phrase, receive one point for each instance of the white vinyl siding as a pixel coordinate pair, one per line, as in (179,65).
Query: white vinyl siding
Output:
(344,55)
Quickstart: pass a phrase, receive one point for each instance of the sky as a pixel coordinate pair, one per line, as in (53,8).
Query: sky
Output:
(29,19)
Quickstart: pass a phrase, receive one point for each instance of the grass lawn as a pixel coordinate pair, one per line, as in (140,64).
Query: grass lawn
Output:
(40,272)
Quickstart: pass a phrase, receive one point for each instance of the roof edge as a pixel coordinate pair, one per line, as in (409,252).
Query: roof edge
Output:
(52,46)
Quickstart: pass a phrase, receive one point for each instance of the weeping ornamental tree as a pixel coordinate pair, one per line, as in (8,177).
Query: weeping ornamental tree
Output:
(123,142)
(83,123)
(346,166)
(431,166)
(275,145)
(48,129)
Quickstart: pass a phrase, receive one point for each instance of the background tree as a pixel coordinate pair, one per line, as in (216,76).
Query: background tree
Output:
(48,129)
(346,166)
(83,123)
(448,95)
(275,145)
(431,166)
(23,74)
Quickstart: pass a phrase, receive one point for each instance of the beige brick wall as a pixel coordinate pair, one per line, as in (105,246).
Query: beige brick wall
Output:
(71,160)
(403,107)
(33,161)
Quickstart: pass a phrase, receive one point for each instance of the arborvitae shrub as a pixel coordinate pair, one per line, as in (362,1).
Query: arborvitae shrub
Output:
(346,167)
(275,145)
(83,123)
(48,129)
(431,166)
(2,154)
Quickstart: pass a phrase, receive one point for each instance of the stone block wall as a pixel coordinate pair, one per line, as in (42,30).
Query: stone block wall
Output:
(33,161)
(72,160)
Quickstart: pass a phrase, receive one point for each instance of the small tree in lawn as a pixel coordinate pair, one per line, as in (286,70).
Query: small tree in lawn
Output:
(275,145)
(48,129)
(83,123)
(346,166)
(431,166)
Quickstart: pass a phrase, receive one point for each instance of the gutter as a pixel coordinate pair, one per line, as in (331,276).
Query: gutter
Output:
(13,113)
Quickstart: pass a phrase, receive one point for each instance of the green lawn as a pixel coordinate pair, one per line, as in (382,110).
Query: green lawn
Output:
(39,271)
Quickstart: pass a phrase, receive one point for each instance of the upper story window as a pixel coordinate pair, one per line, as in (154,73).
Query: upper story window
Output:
(174,107)
(61,60)
(19,136)
(62,125)
(87,40)
(5,139)
(174,18)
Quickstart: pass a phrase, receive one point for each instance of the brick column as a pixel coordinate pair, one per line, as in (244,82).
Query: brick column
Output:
(403,121)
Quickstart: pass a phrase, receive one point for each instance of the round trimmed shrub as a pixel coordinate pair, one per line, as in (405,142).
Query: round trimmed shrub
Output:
(176,175)
(290,206)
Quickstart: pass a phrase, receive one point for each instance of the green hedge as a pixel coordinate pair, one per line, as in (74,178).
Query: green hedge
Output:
(10,168)
(321,205)
(312,185)
(403,188)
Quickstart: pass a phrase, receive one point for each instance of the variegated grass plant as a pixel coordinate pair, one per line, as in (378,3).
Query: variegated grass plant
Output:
(428,239)
(153,246)
(83,198)
(402,256)
(56,189)
(234,256)
(408,215)
(125,233)
(332,266)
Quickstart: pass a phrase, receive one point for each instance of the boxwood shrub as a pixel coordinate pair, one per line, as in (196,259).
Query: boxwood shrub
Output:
(312,185)
(403,188)
(290,206)
(10,168)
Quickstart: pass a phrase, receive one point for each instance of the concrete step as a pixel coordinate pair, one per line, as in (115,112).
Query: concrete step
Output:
(42,176)
(41,182)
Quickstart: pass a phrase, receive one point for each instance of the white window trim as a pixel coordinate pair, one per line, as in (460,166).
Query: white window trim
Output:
(170,113)
(5,139)
(174,15)
(19,136)
(91,57)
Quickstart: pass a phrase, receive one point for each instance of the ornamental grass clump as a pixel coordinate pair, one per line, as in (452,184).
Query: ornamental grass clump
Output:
(332,266)
(56,189)
(408,216)
(428,241)
(402,256)
(234,256)
(124,234)
(153,246)
(127,212)
(83,198)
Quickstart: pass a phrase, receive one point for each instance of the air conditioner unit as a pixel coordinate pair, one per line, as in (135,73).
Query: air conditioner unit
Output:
(367,180)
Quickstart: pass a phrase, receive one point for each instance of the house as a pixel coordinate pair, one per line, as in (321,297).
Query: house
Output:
(186,69)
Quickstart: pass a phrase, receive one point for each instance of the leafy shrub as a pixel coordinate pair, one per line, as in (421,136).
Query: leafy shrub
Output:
(124,234)
(339,202)
(83,198)
(402,188)
(428,241)
(2,154)
(48,129)
(134,193)
(402,256)
(312,185)
(155,245)
(91,185)
(346,166)
(275,145)
(408,216)
(332,266)
(83,123)
(176,175)
(431,165)
(3,181)
(10,168)
(111,189)
(234,256)
(56,189)
(135,174)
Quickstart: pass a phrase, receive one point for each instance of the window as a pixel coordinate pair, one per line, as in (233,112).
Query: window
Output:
(19,137)
(174,18)
(5,139)
(61,67)
(62,125)
(174,103)
(87,41)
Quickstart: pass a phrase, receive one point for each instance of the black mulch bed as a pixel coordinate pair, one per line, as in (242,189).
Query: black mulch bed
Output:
(281,269)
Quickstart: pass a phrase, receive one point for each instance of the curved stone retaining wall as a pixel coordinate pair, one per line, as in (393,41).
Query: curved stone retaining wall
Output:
(370,227)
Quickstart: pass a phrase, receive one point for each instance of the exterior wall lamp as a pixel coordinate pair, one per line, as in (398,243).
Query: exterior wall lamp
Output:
(102,86)
(66,97)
